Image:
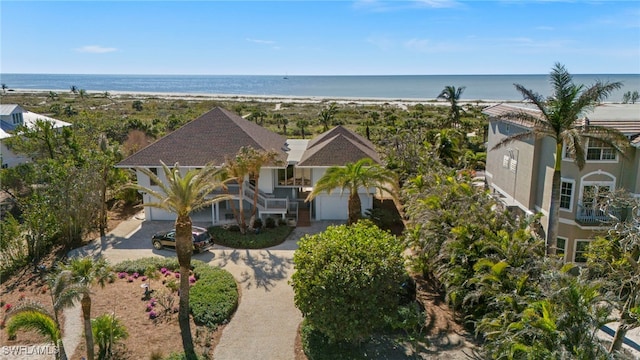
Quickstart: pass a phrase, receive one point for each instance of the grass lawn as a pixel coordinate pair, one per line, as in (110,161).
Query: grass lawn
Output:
(266,237)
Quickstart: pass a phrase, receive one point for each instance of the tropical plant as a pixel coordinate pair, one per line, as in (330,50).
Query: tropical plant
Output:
(630,97)
(452,95)
(362,174)
(447,147)
(32,316)
(82,93)
(182,195)
(4,88)
(615,259)
(302,125)
(347,279)
(558,118)
(107,330)
(236,169)
(86,272)
(53,95)
(74,89)
(327,114)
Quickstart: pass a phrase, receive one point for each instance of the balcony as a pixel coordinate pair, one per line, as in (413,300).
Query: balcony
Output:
(594,216)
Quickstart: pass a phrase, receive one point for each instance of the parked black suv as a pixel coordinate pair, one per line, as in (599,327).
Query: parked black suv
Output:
(201,239)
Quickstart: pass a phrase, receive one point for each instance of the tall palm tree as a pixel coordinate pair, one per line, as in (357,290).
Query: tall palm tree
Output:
(558,119)
(236,169)
(452,95)
(182,195)
(256,162)
(447,147)
(86,272)
(351,177)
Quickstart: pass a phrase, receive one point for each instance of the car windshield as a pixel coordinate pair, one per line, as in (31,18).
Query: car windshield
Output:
(201,237)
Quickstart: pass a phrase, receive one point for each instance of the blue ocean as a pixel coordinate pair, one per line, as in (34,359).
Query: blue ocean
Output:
(405,87)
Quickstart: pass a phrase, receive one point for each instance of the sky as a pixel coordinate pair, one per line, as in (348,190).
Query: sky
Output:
(362,37)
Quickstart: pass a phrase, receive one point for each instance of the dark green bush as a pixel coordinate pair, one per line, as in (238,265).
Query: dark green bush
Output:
(251,240)
(214,297)
(347,279)
(282,222)
(257,223)
(317,346)
(270,223)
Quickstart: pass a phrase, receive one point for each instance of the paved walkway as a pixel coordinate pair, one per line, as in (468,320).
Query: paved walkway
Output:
(266,321)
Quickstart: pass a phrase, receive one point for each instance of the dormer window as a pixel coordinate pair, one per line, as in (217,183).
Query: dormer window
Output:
(17,118)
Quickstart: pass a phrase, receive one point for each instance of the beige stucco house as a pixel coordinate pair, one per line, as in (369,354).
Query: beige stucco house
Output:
(521,173)
(282,189)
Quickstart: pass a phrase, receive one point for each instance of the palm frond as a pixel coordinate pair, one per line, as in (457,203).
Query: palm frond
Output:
(34,320)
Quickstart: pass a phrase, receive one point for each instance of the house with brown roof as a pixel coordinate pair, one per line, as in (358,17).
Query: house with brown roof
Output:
(219,134)
(521,172)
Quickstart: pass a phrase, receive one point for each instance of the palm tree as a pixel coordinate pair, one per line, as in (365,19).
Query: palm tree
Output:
(256,161)
(326,115)
(452,95)
(4,88)
(35,317)
(53,95)
(447,147)
(302,124)
(351,177)
(182,195)
(82,93)
(86,272)
(236,169)
(558,119)
(74,89)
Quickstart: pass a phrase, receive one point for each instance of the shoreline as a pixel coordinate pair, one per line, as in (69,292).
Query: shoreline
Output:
(269,98)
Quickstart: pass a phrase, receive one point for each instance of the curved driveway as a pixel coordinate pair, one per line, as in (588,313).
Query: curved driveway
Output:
(266,321)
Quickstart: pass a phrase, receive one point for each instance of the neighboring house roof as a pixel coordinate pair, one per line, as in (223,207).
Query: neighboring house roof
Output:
(208,139)
(8,109)
(29,120)
(338,147)
(622,117)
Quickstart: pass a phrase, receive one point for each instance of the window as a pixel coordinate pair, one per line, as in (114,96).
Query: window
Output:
(16,118)
(566,195)
(155,172)
(294,176)
(561,246)
(598,150)
(581,249)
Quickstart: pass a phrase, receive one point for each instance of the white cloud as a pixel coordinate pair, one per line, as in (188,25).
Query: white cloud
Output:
(437,3)
(421,45)
(545,28)
(258,41)
(95,49)
(387,6)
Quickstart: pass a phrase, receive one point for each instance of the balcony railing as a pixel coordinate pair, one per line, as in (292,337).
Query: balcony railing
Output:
(594,216)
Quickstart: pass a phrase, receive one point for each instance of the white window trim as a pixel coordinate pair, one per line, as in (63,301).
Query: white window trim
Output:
(575,248)
(573,193)
(566,241)
(586,149)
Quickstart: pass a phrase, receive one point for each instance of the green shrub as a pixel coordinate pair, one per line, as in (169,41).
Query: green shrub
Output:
(251,240)
(282,222)
(257,223)
(180,356)
(141,265)
(270,223)
(317,346)
(347,279)
(214,297)
(383,218)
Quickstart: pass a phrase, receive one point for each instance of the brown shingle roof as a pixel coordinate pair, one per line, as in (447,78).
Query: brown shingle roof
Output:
(209,138)
(338,147)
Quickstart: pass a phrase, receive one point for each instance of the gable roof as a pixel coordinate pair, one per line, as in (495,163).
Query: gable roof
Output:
(29,120)
(8,109)
(208,139)
(338,147)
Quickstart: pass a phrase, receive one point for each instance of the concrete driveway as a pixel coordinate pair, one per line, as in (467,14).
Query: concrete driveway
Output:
(266,321)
